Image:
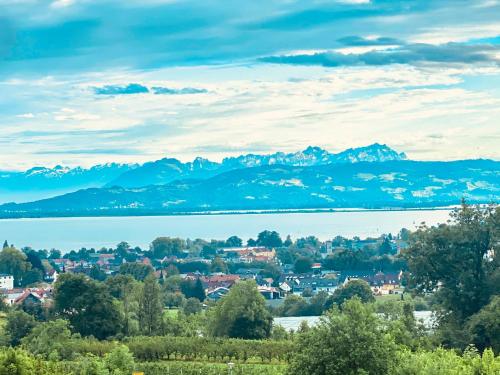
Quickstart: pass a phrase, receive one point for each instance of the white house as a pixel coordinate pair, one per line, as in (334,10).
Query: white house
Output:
(6,281)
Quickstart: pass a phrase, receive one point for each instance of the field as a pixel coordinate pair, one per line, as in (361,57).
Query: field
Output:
(207,368)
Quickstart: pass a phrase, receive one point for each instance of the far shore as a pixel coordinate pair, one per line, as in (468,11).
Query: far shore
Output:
(130,214)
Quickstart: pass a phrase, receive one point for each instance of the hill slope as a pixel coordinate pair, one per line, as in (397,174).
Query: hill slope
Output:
(363,184)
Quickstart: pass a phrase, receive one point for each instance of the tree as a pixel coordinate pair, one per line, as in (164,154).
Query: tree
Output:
(34,259)
(484,327)
(55,254)
(14,262)
(218,265)
(88,306)
(126,289)
(354,288)
(199,290)
(119,361)
(241,313)
(457,262)
(191,306)
(269,239)
(150,307)
(303,265)
(18,325)
(347,342)
(166,247)
(385,247)
(234,241)
(122,249)
(32,277)
(96,273)
(288,241)
(138,271)
(48,339)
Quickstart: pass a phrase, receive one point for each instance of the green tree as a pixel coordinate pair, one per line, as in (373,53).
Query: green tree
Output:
(347,342)
(354,288)
(241,313)
(18,325)
(218,265)
(194,289)
(234,241)
(167,247)
(484,327)
(49,338)
(97,274)
(14,262)
(269,239)
(88,306)
(191,306)
(138,271)
(150,307)
(120,361)
(303,265)
(456,262)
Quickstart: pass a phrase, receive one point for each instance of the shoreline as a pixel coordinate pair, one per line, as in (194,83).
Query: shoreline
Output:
(239,212)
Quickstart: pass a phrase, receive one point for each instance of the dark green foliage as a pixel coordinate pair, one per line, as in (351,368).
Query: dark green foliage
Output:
(97,274)
(351,341)
(88,306)
(269,239)
(138,271)
(459,263)
(191,306)
(484,327)
(234,241)
(193,289)
(303,265)
(354,288)
(218,265)
(19,324)
(150,307)
(167,247)
(241,314)
(14,262)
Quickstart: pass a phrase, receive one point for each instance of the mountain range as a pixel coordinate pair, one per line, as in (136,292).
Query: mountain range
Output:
(377,184)
(41,182)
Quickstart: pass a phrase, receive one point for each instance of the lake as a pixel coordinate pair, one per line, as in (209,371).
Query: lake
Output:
(74,233)
(293,322)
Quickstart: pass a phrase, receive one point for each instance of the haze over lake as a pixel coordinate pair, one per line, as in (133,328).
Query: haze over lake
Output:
(74,233)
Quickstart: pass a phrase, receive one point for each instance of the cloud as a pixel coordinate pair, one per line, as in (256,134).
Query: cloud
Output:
(408,54)
(131,88)
(353,40)
(136,88)
(181,91)
(26,115)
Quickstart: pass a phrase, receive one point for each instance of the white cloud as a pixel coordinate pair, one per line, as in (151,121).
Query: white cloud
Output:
(419,110)
(26,115)
(460,33)
(62,3)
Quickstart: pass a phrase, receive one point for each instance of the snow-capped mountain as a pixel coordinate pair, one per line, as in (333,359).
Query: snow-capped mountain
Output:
(42,182)
(399,183)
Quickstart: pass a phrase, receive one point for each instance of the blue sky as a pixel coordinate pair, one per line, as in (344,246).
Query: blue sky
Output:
(86,82)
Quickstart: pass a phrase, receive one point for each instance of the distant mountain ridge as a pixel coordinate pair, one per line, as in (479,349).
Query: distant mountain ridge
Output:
(41,182)
(389,184)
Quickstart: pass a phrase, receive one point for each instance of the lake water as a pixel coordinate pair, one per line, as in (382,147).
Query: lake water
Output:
(293,322)
(74,233)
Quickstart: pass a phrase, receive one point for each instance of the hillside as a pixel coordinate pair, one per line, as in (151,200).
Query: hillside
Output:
(365,185)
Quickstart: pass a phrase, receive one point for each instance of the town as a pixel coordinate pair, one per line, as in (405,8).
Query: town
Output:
(280,268)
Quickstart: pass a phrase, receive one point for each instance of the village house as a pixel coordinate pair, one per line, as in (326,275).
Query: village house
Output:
(6,281)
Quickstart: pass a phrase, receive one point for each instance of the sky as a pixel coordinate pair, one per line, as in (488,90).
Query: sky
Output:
(86,82)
